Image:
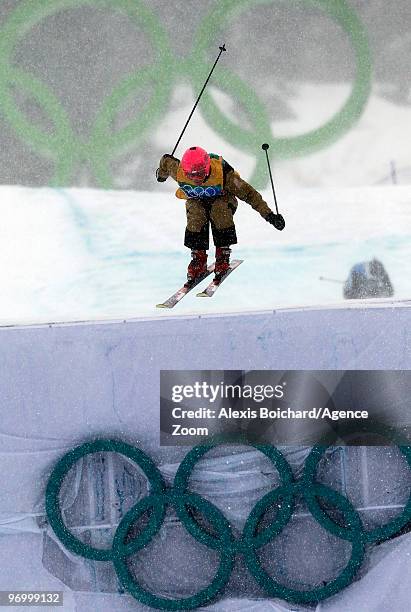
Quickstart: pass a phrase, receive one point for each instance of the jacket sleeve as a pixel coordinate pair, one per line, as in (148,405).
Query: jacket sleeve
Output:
(168,166)
(242,190)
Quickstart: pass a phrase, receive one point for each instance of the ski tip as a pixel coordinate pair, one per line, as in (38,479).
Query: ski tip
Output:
(162,306)
(202,294)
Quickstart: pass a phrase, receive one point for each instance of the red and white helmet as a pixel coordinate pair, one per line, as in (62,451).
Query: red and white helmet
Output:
(196,160)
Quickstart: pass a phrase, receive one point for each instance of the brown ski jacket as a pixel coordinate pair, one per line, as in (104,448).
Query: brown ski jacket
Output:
(233,184)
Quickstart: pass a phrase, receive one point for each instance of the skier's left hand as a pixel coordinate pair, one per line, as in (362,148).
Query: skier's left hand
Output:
(276,220)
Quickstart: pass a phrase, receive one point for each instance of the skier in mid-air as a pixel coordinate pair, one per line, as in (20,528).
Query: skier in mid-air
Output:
(211,187)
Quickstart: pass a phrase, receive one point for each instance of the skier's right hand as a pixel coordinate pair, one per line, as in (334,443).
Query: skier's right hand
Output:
(161,177)
(161,174)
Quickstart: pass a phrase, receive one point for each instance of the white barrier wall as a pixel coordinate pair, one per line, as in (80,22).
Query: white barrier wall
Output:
(63,383)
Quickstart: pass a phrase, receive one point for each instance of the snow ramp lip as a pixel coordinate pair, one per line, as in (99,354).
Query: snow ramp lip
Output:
(384,304)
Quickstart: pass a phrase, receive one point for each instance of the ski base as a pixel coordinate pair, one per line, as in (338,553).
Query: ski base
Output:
(213,286)
(178,295)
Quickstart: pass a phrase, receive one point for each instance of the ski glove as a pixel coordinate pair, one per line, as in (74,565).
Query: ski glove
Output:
(161,178)
(160,175)
(276,220)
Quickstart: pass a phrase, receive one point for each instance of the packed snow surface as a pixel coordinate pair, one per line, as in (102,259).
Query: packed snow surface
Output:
(72,254)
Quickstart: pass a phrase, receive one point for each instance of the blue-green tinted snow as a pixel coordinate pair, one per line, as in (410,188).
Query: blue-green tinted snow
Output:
(131,284)
(85,254)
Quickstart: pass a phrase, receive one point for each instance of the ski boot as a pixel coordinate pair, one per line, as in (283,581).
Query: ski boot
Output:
(222,262)
(197,266)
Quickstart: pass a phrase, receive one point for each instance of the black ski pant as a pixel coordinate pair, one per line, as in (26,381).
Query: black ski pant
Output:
(219,213)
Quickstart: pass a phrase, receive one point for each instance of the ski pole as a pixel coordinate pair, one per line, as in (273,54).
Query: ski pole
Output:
(265,147)
(331,280)
(222,48)
(279,223)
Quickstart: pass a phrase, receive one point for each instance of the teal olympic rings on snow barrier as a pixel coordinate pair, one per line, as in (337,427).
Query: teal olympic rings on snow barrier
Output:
(222,540)
(69,150)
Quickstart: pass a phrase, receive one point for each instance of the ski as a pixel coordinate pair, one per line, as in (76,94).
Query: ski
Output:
(213,286)
(178,295)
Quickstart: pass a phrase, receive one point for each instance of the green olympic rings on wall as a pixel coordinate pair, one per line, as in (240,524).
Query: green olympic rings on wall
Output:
(354,535)
(61,470)
(374,535)
(69,150)
(252,539)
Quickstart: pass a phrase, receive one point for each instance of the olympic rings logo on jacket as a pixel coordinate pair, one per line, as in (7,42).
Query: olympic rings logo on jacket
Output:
(201,192)
(253,537)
